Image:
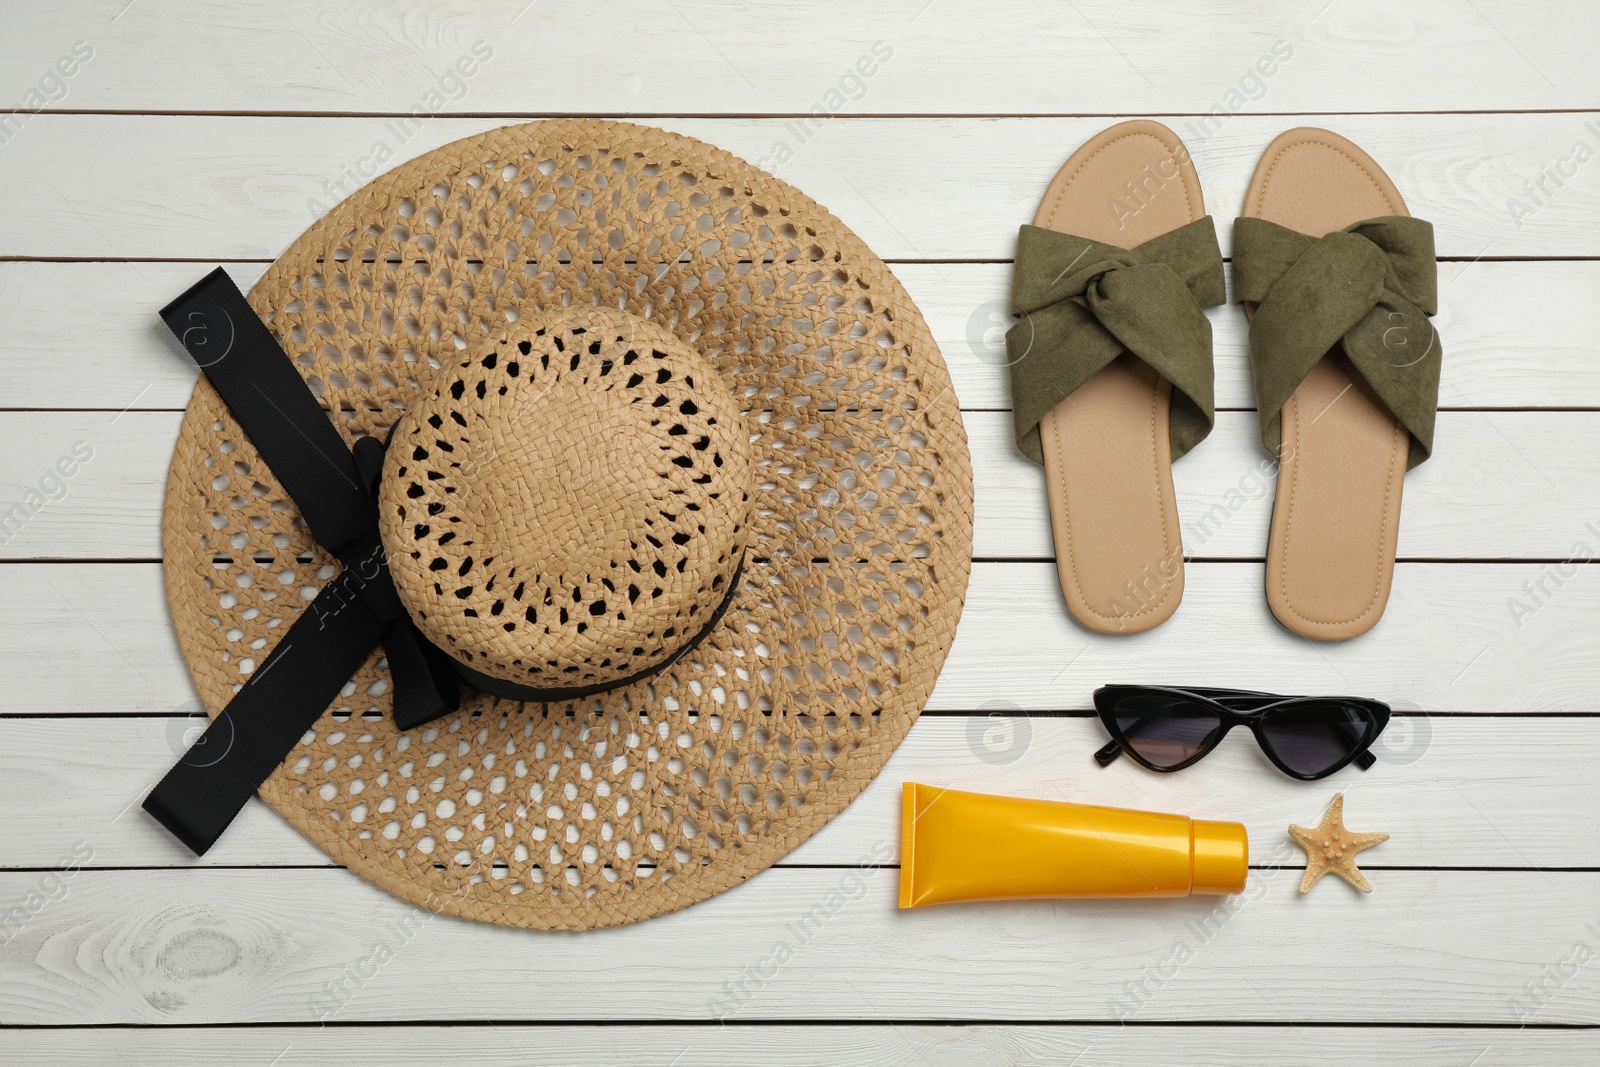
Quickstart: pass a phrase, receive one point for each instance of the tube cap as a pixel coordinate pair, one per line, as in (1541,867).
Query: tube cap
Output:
(1221,857)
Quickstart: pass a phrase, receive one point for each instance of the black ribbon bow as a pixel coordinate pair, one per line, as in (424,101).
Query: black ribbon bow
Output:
(335,489)
(335,492)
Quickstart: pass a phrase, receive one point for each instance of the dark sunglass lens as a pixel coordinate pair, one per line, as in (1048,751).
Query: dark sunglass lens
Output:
(1165,730)
(1316,737)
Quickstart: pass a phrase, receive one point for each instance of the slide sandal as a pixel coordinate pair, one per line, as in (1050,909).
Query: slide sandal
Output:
(1111,365)
(1339,281)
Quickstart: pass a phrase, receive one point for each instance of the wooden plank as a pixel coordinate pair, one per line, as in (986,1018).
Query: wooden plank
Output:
(1500,485)
(101,640)
(89,186)
(88,335)
(1514,637)
(370,56)
(883,1043)
(1454,791)
(84,484)
(1505,347)
(1450,639)
(313,945)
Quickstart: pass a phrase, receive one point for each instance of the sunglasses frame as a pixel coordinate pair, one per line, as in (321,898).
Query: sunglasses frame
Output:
(1235,707)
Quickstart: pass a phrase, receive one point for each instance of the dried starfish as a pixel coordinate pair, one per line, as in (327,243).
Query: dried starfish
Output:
(1330,847)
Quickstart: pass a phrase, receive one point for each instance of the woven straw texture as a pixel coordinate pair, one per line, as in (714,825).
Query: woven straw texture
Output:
(568,504)
(645,799)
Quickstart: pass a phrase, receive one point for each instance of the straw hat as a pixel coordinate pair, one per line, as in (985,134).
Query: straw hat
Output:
(661,433)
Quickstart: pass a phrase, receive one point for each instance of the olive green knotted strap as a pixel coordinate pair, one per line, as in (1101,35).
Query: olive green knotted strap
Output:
(1084,303)
(1367,289)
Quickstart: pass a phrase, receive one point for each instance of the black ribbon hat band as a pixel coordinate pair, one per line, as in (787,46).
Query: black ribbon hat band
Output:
(334,488)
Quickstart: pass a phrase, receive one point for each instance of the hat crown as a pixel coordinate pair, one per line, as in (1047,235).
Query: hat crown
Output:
(568,505)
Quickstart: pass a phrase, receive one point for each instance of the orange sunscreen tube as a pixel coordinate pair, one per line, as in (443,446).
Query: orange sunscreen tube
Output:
(973,846)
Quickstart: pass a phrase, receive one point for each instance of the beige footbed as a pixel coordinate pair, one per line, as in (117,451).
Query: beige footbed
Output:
(1107,455)
(1336,519)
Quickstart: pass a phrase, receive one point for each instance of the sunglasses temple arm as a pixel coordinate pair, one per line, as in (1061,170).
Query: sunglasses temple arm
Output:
(1107,754)
(1365,760)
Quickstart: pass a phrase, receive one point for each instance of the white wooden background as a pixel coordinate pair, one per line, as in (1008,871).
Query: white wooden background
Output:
(198,132)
